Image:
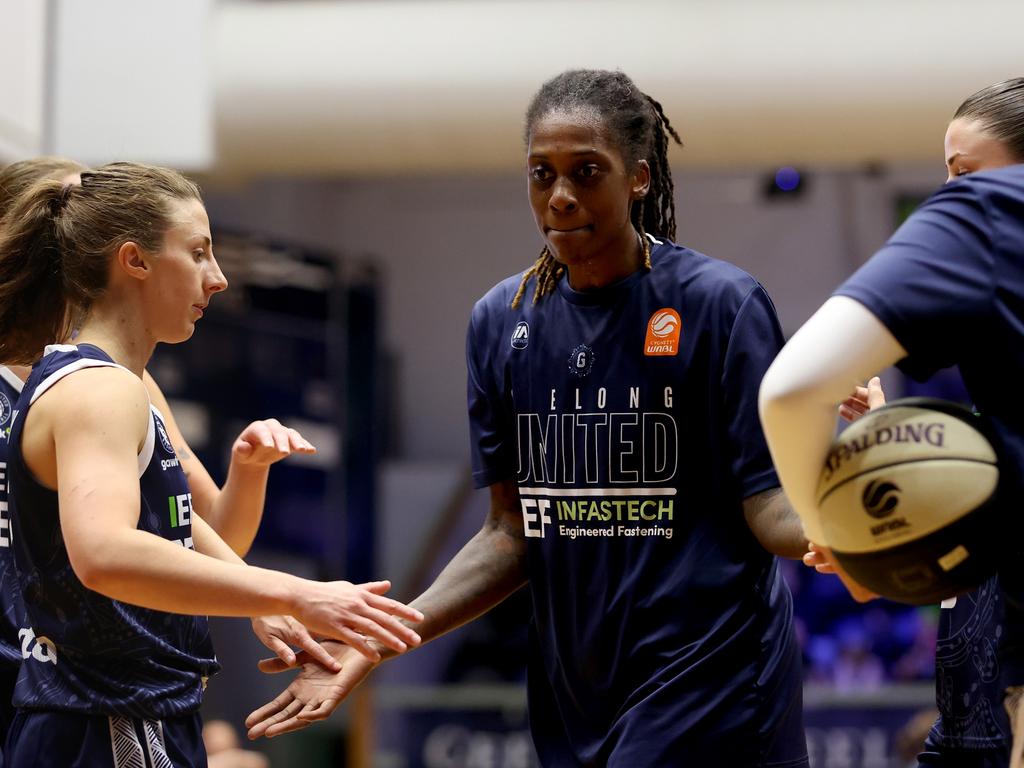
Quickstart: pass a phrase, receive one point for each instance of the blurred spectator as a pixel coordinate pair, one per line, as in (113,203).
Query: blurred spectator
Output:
(222,748)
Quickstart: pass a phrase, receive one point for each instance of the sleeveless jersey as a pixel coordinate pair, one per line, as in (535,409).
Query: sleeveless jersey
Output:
(89,653)
(10,592)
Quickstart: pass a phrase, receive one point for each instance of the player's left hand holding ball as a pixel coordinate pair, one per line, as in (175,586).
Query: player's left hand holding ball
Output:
(265,442)
(820,559)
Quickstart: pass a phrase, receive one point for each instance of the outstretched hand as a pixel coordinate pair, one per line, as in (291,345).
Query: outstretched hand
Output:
(280,633)
(265,442)
(357,614)
(862,400)
(312,695)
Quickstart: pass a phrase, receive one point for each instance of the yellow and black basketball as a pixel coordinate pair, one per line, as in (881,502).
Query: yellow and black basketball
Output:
(908,500)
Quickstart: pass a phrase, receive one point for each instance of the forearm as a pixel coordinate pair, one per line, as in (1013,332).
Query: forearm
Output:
(209,543)
(142,569)
(489,568)
(799,430)
(775,524)
(839,347)
(237,509)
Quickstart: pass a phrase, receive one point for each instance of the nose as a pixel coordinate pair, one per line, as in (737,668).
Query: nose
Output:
(563,196)
(215,280)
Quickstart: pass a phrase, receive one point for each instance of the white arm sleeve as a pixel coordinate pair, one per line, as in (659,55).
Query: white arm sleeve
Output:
(842,345)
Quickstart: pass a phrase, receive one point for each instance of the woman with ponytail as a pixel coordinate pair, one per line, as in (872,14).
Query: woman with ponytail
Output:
(115,567)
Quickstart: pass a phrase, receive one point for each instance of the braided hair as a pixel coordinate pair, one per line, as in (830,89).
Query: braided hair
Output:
(638,126)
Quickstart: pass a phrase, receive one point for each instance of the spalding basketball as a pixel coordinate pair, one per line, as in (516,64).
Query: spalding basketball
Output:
(908,500)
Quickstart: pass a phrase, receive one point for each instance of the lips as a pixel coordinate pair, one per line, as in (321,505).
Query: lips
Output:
(199,308)
(569,230)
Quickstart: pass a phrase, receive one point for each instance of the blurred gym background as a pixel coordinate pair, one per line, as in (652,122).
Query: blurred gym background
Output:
(362,163)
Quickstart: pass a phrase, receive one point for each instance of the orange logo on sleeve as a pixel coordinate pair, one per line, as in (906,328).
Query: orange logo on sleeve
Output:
(663,332)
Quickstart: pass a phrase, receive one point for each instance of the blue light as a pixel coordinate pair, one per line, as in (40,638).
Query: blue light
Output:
(787,179)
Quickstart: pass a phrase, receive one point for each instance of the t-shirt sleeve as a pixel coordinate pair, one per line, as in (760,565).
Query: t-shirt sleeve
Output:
(492,438)
(754,341)
(931,284)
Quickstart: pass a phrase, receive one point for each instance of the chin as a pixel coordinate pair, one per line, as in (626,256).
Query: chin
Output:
(567,256)
(183,335)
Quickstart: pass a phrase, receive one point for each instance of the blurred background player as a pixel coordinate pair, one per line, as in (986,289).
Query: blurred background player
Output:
(948,279)
(645,509)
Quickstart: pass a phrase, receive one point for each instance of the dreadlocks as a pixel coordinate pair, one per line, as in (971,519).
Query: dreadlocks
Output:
(638,125)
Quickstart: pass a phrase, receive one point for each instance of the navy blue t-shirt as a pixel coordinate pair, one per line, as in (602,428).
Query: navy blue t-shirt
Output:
(10,592)
(949,286)
(88,653)
(661,631)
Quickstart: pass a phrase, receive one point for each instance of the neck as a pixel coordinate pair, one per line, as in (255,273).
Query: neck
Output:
(116,331)
(618,262)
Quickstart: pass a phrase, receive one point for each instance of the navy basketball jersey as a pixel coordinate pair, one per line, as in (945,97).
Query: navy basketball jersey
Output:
(10,592)
(89,653)
(968,685)
(661,631)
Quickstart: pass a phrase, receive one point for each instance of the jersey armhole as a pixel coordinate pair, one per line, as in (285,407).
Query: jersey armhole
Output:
(146,452)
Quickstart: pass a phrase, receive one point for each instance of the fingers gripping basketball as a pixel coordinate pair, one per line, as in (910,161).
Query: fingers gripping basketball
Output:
(908,500)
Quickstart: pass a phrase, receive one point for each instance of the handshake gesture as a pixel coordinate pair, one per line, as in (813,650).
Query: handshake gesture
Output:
(357,615)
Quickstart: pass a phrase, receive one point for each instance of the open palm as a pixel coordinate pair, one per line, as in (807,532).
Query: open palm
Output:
(312,695)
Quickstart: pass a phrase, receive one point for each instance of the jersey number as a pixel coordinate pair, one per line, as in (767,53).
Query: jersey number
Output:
(38,648)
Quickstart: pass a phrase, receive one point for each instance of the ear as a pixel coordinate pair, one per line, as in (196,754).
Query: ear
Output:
(131,259)
(641,180)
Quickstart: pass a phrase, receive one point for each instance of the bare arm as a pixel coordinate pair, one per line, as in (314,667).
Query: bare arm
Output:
(774,523)
(489,568)
(234,511)
(82,438)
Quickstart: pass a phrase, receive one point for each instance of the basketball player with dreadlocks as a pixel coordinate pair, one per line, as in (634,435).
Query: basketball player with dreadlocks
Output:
(613,409)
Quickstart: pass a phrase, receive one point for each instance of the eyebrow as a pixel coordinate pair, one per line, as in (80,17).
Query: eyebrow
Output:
(578,152)
(206,241)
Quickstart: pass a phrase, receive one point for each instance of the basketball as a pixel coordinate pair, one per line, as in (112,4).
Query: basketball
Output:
(908,500)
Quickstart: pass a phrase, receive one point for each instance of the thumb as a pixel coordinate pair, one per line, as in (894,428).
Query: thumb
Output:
(876,397)
(273,666)
(377,587)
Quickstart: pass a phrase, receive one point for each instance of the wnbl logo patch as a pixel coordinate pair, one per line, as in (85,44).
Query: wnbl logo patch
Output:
(663,331)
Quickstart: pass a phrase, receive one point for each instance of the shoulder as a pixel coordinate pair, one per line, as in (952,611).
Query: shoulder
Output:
(982,197)
(494,308)
(702,277)
(105,396)
(499,298)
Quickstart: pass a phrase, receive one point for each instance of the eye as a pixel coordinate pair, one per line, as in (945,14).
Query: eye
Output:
(199,254)
(589,171)
(540,173)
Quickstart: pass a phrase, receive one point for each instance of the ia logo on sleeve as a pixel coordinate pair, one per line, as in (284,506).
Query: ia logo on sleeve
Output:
(521,335)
